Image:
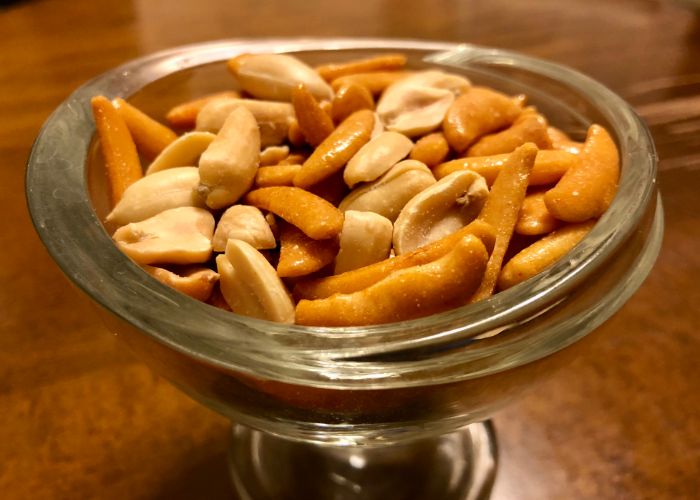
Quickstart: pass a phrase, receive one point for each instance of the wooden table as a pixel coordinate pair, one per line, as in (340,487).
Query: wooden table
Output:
(82,418)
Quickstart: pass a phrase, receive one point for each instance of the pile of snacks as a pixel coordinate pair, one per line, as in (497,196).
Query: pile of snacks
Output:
(356,193)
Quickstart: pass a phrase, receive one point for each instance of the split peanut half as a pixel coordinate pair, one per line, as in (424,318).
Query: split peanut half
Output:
(245,223)
(387,195)
(273,118)
(182,152)
(185,115)
(227,167)
(440,210)
(376,157)
(364,240)
(150,195)
(176,236)
(195,281)
(251,286)
(274,76)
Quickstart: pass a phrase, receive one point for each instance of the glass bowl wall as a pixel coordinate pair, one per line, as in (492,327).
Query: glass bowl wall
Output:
(354,385)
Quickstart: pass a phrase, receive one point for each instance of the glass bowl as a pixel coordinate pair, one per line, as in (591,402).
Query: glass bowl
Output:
(365,393)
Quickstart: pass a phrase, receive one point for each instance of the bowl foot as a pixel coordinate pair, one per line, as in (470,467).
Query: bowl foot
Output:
(456,466)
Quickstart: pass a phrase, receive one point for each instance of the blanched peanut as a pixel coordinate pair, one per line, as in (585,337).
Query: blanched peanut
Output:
(364,240)
(273,118)
(195,281)
(314,123)
(276,175)
(434,79)
(251,286)
(534,218)
(227,168)
(272,155)
(171,188)
(414,106)
(530,126)
(378,127)
(317,218)
(431,149)
(387,195)
(549,166)
(587,189)
(361,278)
(245,223)
(385,62)
(274,76)
(501,211)
(149,136)
(542,254)
(440,210)
(301,255)
(334,152)
(349,98)
(185,115)
(117,146)
(406,294)
(182,152)
(477,112)
(376,82)
(376,157)
(176,236)
(561,141)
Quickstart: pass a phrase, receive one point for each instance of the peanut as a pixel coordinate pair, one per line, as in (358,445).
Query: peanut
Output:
(251,286)
(274,76)
(439,210)
(227,167)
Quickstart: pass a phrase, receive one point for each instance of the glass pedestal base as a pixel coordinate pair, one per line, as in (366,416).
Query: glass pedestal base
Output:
(456,466)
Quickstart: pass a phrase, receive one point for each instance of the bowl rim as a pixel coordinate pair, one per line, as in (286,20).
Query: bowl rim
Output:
(65,219)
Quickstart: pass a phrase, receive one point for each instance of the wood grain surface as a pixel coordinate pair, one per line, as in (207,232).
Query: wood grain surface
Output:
(82,418)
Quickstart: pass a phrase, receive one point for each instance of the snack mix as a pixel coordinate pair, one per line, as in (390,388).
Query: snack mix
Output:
(349,194)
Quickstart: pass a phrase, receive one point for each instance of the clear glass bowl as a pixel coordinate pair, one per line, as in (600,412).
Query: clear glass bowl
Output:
(350,386)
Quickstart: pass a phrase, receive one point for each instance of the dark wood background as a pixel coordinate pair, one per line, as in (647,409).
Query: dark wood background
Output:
(82,418)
